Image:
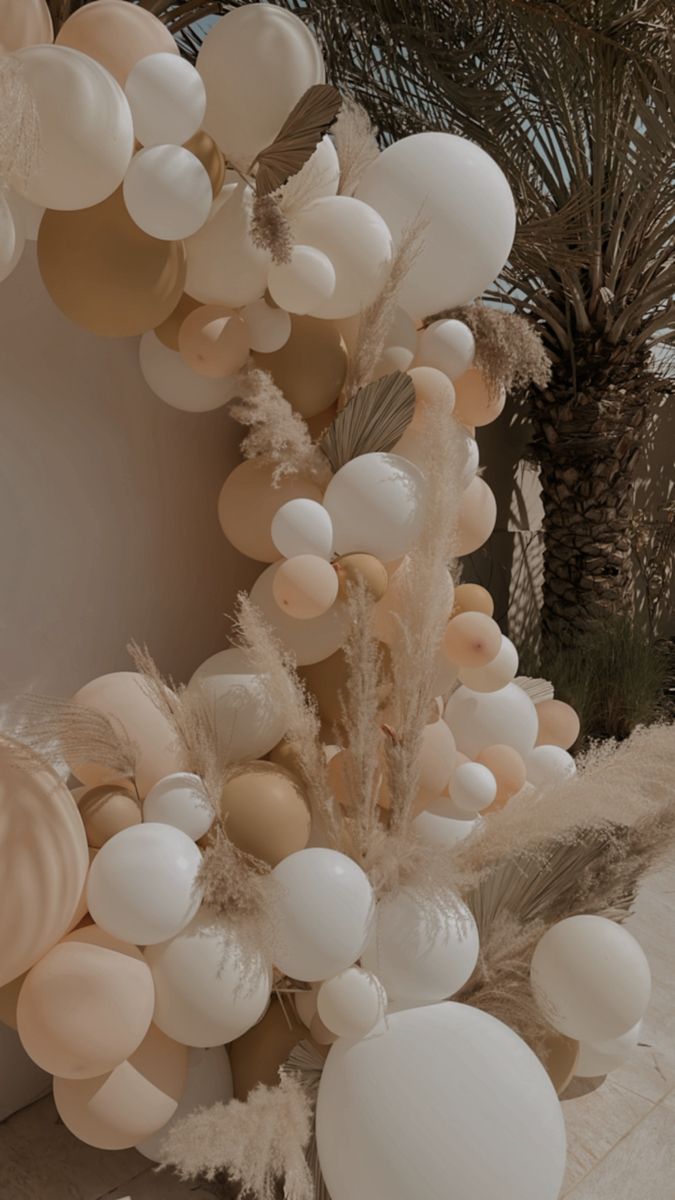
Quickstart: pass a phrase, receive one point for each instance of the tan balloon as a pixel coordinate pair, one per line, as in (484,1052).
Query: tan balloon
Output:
(432,388)
(560,1055)
(44,864)
(247,504)
(318,424)
(509,770)
(472,639)
(168,331)
(123,698)
(471,597)
(202,145)
(24,23)
(363,569)
(126,1106)
(305,586)
(477,516)
(285,755)
(265,812)
(86,1006)
(104,273)
(213,340)
(117,34)
(311,367)
(558,724)
(475,403)
(257,1055)
(327,681)
(105,811)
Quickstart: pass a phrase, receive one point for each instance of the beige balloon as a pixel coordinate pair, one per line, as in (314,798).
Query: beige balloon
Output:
(472,639)
(86,1006)
(471,597)
(126,1106)
(202,145)
(311,367)
(559,724)
(509,770)
(476,402)
(117,34)
(365,570)
(248,502)
(105,273)
(257,1055)
(265,812)
(477,516)
(168,331)
(213,340)
(43,863)
(105,811)
(81,914)
(24,23)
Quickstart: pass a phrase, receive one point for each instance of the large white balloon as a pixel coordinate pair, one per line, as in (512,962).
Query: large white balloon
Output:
(168,375)
(505,718)
(86,130)
(256,63)
(248,723)
(591,978)
(180,799)
(167,99)
(356,241)
(223,265)
(142,885)
(496,674)
(446,1103)
(467,202)
(168,192)
(209,1081)
(309,640)
(324,907)
(376,504)
(211,985)
(603,1057)
(421,956)
(547,765)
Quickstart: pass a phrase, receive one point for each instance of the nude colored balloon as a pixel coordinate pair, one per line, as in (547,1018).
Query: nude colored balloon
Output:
(167,332)
(168,375)
(105,811)
(362,570)
(477,516)
(492,676)
(86,1006)
(558,724)
(248,503)
(44,863)
(433,389)
(509,770)
(223,264)
(116,34)
(305,586)
(86,131)
(123,698)
(120,1109)
(472,640)
(475,403)
(24,23)
(311,366)
(257,1055)
(310,641)
(437,760)
(471,597)
(104,273)
(265,812)
(214,341)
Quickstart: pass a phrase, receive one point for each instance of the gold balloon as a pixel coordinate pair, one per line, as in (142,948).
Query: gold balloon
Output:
(202,145)
(509,770)
(319,423)
(168,331)
(106,811)
(257,1055)
(327,681)
(285,755)
(105,273)
(248,502)
(471,597)
(311,368)
(364,569)
(265,812)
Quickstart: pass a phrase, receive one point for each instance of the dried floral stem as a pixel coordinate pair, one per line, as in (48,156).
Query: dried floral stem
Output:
(355,142)
(77,734)
(509,350)
(277,434)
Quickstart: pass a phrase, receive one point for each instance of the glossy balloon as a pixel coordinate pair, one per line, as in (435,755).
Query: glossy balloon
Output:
(249,502)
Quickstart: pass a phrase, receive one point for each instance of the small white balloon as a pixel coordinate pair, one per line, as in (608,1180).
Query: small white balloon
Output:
(168,192)
(472,788)
(356,241)
(496,674)
(447,345)
(223,265)
(180,800)
(12,233)
(167,99)
(421,956)
(309,641)
(504,718)
(209,1081)
(547,765)
(168,375)
(376,504)
(142,885)
(304,282)
(325,907)
(268,328)
(352,1003)
(303,527)
(603,1057)
(247,721)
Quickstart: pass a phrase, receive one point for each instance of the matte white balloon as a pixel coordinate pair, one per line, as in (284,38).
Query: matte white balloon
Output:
(248,722)
(505,718)
(357,242)
(180,800)
(376,504)
(471,459)
(352,1003)
(447,345)
(437,830)
(304,282)
(142,885)
(421,956)
(547,765)
(167,98)
(223,265)
(12,232)
(496,674)
(268,328)
(209,1081)
(446,1104)
(472,788)
(603,1057)
(168,192)
(469,207)
(168,375)
(310,641)
(303,527)
(591,978)
(256,63)
(324,908)
(211,984)
(86,130)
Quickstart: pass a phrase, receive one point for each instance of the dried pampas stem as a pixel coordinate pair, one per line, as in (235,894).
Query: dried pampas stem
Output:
(20,126)
(355,142)
(23,757)
(59,728)
(509,349)
(277,434)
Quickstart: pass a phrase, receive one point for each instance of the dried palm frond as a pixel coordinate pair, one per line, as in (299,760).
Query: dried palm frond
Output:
(373,420)
(297,139)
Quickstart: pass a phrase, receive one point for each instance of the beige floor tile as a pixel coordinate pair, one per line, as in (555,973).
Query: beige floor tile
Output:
(641,1166)
(157,1185)
(596,1120)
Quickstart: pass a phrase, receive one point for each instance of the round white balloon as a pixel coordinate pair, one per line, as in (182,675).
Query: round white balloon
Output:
(603,1057)
(447,1102)
(467,203)
(496,674)
(180,800)
(223,265)
(479,719)
(268,328)
(303,527)
(168,192)
(419,955)
(356,241)
(547,765)
(211,984)
(304,282)
(437,830)
(311,640)
(209,1081)
(447,345)
(352,1003)
(247,721)
(376,504)
(167,98)
(591,978)
(324,907)
(168,375)
(142,885)
(472,788)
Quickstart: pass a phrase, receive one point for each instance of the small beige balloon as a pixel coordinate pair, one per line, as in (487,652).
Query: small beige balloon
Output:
(362,569)
(265,813)
(311,367)
(509,770)
(117,34)
(168,331)
(477,516)
(559,724)
(472,639)
(105,811)
(248,502)
(305,586)
(476,402)
(213,340)
(471,597)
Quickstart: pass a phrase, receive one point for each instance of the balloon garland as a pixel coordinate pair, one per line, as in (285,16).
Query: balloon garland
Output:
(247,860)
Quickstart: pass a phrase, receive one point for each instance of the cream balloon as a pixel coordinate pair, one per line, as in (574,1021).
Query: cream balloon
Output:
(302,283)
(325,907)
(472,787)
(223,265)
(472,639)
(167,192)
(210,984)
(12,232)
(180,800)
(558,724)
(436,760)
(481,719)
(477,516)
(434,401)
(86,130)
(591,978)
(143,884)
(492,676)
(466,200)
(320,176)
(209,1081)
(168,375)
(421,953)
(268,328)
(305,1005)
(24,23)
(303,527)
(256,63)
(310,641)
(247,721)
(305,586)
(447,345)
(603,1057)
(356,241)
(376,504)
(352,1003)
(214,342)
(548,765)
(477,402)
(167,99)
(406,1114)
(116,34)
